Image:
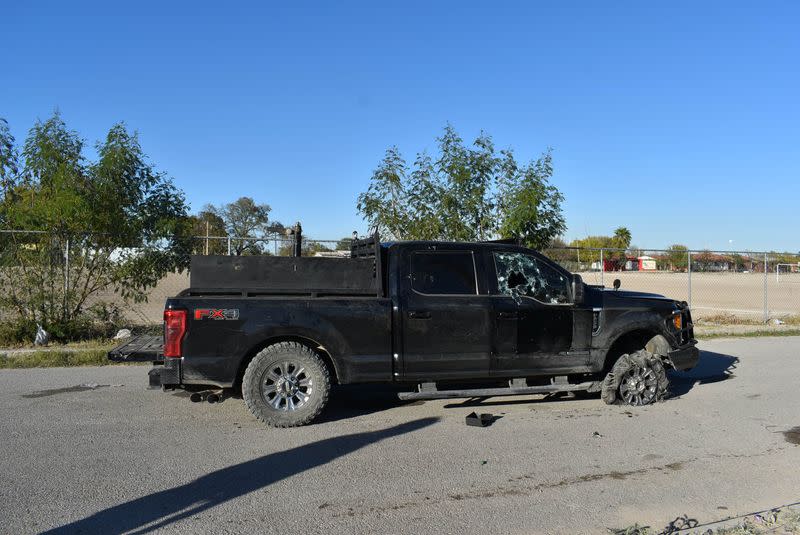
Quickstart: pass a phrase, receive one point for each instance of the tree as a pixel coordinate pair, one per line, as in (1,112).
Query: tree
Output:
(615,247)
(677,257)
(533,206)
(208,223)
(307,248)
(114,223)
(246,222)
(464,194)
(622,237)
(383,202)
(344,244)
(9,158)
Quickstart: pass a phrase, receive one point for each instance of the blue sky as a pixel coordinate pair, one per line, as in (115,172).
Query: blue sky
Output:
(679,120)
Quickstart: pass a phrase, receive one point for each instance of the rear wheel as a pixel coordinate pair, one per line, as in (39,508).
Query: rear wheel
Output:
(637,378)
(286,385)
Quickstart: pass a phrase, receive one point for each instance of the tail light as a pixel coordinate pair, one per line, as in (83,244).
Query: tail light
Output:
(174,329)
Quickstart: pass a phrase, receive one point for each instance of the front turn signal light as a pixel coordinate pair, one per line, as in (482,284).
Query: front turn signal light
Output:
(677,321)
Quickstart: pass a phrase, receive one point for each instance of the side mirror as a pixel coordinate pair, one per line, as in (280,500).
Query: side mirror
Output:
(577,289)
(617,284)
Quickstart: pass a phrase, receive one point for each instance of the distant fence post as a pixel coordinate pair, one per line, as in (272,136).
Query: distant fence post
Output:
(689,274)
(66,278)
(602,269)
(766,305)
(229,245)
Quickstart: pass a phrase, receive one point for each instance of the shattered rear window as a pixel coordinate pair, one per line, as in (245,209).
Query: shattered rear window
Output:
(522,275)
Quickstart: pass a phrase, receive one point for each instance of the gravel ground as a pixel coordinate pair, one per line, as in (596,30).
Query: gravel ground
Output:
(120,458)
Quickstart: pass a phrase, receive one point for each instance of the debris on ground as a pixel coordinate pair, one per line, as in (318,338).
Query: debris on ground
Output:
(483,420)
(122,333)
(42,336)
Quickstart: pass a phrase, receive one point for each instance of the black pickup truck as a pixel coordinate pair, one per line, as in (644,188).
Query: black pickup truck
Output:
(444,319)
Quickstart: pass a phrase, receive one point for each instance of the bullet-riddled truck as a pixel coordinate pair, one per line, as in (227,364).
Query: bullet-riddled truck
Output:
(444,319)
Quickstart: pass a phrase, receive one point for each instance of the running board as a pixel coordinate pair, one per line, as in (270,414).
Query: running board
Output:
(592,386)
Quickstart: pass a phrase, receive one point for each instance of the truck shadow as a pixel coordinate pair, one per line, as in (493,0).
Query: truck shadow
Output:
(711,368)
(350,401)
(160,509)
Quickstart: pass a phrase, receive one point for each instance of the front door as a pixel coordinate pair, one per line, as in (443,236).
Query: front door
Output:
(446,323)
(533,315)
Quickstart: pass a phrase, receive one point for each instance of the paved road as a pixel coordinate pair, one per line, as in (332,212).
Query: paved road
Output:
(123,458)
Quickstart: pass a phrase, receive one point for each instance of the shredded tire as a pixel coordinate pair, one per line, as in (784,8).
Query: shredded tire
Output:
(272,357)
(639,362)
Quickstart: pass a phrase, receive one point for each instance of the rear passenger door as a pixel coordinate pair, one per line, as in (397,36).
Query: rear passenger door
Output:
(446,318)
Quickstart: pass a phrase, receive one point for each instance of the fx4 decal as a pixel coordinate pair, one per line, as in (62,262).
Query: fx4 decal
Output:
(216,313)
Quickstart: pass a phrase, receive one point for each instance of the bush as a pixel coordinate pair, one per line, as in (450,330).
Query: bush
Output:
(101,320)
(17,331)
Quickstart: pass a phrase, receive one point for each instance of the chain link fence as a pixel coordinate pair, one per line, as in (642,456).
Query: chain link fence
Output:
(73,280)
(46,275)
(747,285)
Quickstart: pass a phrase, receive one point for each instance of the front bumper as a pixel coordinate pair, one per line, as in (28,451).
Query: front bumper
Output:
(685,357)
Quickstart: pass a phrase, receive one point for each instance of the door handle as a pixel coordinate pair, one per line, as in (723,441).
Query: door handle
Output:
(420,315)
(507,315)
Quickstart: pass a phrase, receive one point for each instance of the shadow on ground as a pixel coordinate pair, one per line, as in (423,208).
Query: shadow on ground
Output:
(350,401)
(711,368)
(161,509)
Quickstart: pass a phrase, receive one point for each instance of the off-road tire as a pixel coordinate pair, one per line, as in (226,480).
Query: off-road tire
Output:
(640,361)
(271,358)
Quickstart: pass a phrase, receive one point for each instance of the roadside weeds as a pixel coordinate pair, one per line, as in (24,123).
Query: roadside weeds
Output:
(57,358)
(779,521)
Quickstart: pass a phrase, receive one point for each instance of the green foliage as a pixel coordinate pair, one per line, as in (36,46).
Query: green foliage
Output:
(533,206)
(616,246)
(622,237)
(676,257)
(307,248)
(383,202)
(344,244)
(208,223)
(242,219)
(17,331)
(111,224)
(9,159)
(464,194)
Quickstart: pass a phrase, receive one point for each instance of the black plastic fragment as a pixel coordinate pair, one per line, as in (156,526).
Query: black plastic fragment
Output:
(479,420)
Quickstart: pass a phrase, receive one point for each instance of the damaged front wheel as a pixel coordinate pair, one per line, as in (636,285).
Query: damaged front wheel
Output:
(637,378)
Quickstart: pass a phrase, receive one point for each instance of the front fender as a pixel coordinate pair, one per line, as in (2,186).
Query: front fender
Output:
(624,322)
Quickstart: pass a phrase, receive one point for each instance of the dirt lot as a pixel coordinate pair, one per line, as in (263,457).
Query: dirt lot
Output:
(740,294)
(119,458)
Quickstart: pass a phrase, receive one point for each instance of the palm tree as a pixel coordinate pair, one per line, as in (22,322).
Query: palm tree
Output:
(622,237)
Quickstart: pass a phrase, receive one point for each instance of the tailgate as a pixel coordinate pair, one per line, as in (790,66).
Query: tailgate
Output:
(142,348)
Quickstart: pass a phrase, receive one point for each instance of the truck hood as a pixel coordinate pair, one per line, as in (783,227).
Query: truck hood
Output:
(629,294)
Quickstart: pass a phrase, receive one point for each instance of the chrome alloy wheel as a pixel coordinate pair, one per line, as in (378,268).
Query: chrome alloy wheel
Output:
(638,386)
(286,386)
